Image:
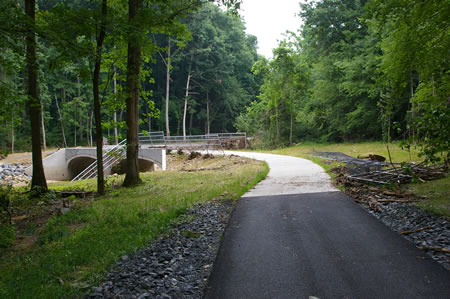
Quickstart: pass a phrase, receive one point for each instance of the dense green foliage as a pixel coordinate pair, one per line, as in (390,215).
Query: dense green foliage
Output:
(207,40)
(356,70)
(359,70)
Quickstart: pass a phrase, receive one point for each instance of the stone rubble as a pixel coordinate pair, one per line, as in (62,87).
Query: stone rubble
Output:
(12,174)
(177,264)
(401,217)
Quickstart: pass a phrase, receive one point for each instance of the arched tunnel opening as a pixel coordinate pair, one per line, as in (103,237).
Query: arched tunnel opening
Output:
(144,166)
(78,164)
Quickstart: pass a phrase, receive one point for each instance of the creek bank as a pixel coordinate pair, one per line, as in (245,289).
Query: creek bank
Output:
(175,265)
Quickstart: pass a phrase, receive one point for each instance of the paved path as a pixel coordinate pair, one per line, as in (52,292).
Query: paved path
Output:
(304,238)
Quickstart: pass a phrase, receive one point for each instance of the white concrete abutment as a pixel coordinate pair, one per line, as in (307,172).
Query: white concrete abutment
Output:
(66,163)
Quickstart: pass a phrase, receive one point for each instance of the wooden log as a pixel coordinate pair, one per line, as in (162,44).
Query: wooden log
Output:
(407,232)
(437,249)
(397,200)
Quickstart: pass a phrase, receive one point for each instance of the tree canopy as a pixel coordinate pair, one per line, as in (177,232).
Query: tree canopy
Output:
(370,70)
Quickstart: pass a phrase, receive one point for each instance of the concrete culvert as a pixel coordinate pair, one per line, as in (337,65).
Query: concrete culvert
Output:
(78,164)
(144,166)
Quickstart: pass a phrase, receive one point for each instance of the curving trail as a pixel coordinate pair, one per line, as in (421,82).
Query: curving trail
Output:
(288,175)
(295,235)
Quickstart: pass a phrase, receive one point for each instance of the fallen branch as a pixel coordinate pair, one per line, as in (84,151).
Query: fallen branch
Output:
(203,169)
(407,232)
(374,205)
(397,200)
(437,249)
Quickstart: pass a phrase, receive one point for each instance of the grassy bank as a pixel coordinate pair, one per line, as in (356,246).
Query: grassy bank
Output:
(71,252)
(437,192)
(305,150)
(437,195)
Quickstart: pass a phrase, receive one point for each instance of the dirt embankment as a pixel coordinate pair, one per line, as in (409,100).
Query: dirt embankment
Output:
(24,158)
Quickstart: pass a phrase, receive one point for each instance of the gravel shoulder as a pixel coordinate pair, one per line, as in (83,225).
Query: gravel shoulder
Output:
(177,264)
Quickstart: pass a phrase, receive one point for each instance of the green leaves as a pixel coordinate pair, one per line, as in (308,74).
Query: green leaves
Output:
(414,66)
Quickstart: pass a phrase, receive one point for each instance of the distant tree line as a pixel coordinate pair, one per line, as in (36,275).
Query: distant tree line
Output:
(359,70)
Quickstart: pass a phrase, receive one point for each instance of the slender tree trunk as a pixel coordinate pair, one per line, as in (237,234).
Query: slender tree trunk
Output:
(12,137)
(149,119)
(38,180)
(168,64)
(2,74)
(291,129)
(61,121)
(133,61)
(44,141)
(91,141)
(185,103)
(80,131)
(95,84)
(411,90)
(116,135)
(207,113)
(75,135)
(191,119)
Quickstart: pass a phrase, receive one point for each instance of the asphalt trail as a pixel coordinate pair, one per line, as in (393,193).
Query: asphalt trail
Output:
(318,244)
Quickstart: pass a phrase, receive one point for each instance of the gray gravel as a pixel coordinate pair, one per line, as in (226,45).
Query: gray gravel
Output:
(176,265)
(11,173)
(402,217)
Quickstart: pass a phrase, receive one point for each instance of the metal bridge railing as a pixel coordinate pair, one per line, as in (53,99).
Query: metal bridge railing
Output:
(109,158)
(206,143)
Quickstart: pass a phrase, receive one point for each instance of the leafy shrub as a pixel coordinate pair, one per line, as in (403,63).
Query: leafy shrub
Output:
(7,235)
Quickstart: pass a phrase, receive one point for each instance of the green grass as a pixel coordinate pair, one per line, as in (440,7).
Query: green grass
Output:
(352,149)
(437,193)
(74,250)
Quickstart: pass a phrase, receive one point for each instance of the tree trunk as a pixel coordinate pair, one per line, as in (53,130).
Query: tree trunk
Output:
(61,121)
(116,135)
(278,126)
(38,180)
(133,62)
(12,137)
(80,115)
(207,113)
(411,90)
(97,115)
(167,88)
(44,141)
(149,118)
(91,142)
(191,119)
(291,129)
(185,104)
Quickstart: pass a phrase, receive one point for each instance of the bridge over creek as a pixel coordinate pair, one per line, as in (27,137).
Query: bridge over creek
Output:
(81,162)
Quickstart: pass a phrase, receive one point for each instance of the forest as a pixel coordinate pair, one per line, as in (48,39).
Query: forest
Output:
(207,46)
(356,70)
